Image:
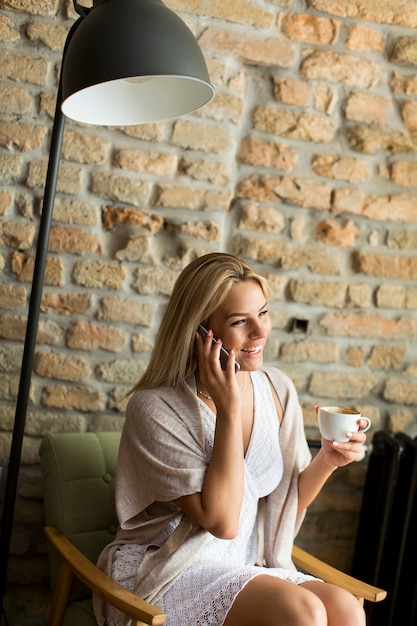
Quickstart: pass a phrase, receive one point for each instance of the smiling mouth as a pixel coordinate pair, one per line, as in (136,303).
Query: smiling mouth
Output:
(255,350)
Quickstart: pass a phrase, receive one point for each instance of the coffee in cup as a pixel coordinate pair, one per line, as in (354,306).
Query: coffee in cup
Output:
(336,421)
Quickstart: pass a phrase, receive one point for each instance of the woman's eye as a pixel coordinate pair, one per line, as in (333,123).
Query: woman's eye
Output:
(264,312)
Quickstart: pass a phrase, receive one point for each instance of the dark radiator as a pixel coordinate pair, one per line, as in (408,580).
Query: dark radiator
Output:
(385,552)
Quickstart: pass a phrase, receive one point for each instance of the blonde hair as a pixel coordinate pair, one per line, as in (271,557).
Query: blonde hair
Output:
(198,292)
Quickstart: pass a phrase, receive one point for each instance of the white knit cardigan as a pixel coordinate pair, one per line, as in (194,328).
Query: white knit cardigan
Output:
(162,457)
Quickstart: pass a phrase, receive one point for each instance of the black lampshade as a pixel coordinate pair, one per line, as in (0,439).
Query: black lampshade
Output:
(132,62)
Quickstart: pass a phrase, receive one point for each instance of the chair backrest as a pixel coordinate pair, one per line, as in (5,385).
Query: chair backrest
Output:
(79,478)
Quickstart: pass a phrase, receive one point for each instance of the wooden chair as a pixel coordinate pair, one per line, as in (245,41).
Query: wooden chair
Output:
(78,471)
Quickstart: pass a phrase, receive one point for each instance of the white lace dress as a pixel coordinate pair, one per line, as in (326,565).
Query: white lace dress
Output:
(204,593)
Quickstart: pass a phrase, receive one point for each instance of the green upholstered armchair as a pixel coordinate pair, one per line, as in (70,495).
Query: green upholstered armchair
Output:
(78,472)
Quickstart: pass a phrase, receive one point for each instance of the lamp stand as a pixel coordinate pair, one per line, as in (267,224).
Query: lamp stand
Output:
(30,338)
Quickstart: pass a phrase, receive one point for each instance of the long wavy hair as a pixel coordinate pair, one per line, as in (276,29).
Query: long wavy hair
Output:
(199,291)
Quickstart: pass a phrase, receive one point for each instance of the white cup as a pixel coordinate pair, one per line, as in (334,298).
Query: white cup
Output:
(336,421)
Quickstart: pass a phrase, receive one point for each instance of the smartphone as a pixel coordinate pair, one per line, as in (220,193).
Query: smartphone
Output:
(224,355)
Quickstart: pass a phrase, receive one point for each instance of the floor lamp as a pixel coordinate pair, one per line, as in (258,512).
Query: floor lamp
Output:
(124,62)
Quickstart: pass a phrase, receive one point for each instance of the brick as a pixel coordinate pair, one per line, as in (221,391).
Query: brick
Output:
(402,239)
(120,189)
(244,12)
(23,68)
(288,256)
(386,266)
(69,177)
(120,371)
(342,385)
(368,108)
(25,137)
(292,91)
(251,49)
(405,50)
(185,197)
(339,167)
(364,39)
(368,325)
(138,249)
(391,295)
(89,336)
(6,200)
(386,357)
(337,67)
(13,328)
(154,280)
(155,132)
(10,168)
(151,162)
(46,7)
(66,304)
(257,152)
(99,274)
(217,173)
(62,367)
(140,343)
(14,100)
(84,148)
(325,98)
(409,114)
(79,398)
(310,350)
(206,230)
(261,219)
(404,173)
(399,420)
(73,240)
(401,389)
(335,233)
(52,36)
(317,293)
(8,32)
(310,28)
(225,107)
(403,85)
(71,211)
(10,360)
(360,295)
(401,12)
(113,216)
(23,265)
(291,124)
(126,311)
(371,140)
(355,356)
(199,136)
(297,191)
(17,234)
(12,297)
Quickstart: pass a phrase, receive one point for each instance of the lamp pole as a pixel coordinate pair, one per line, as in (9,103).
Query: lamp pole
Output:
(31,332)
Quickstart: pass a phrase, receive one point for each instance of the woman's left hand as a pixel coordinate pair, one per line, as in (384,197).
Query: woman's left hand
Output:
(339,454)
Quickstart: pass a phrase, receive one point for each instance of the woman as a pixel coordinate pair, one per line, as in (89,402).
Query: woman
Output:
(214,471)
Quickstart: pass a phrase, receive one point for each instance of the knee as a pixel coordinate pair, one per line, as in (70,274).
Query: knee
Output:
(312,611)
(345,608)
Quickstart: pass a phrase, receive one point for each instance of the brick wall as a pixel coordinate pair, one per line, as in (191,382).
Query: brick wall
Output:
(304,164)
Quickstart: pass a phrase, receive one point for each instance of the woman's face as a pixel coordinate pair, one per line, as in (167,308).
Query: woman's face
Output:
(242,322)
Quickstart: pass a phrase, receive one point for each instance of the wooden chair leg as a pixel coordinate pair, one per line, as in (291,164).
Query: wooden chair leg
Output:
(61,595)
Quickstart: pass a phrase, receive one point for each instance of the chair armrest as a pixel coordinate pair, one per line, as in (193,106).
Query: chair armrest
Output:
(314,566)
(103,585)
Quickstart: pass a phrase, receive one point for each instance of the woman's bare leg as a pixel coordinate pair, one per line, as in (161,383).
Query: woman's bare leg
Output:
(270,601)
(341,606)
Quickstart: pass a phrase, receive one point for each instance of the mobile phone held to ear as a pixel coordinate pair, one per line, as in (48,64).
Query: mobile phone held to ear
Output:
(224,355)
